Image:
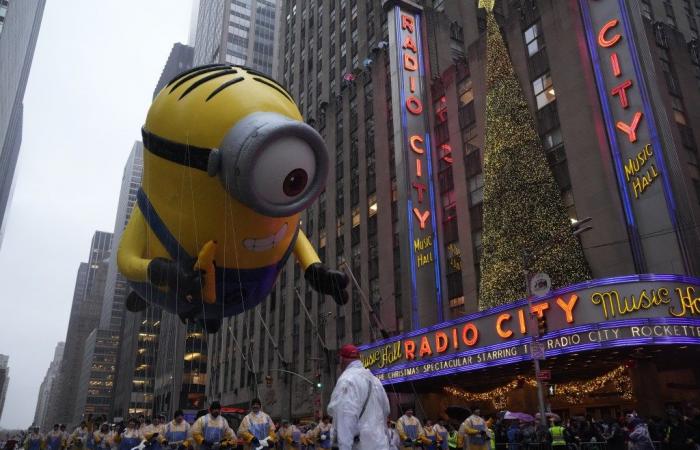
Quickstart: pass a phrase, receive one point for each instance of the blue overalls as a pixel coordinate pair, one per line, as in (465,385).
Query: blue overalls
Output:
(444,435)
(296,438)
(104,443)
(260,430)
(433,440)
(90,441)
(237,290)
(34,442)
(211,434)
(129,442)
(325,443)
(175,436)
(54,441)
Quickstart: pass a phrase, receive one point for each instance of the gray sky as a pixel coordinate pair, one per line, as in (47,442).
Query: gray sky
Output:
(95,67)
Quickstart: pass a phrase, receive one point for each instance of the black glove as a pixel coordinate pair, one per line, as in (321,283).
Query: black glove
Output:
(179,277)
(328,281)
(255,442)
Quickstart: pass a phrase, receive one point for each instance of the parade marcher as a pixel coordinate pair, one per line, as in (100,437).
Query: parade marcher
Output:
(293,436)
(393,436)
(322,432)
(212,431)
(130,437)
(257,427)
(79,437)
(441,431)
(473,431)
(34,440)
(55,439)
(431,436)
(103,438)
(66,435)
(176,433)
(359,405)
(282,435)
(410,429)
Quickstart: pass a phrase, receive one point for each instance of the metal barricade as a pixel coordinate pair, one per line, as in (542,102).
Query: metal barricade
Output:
(593,445)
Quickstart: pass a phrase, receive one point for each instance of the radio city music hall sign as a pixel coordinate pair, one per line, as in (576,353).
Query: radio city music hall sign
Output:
(636,151)
(415,174)
(504,332)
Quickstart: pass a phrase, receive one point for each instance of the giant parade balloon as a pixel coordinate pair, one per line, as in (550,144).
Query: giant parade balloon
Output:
(228,167)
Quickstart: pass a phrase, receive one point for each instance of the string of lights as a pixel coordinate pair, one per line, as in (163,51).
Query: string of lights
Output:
(572,392)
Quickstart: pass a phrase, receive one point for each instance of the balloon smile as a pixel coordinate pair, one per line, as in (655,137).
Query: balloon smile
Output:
(268,243)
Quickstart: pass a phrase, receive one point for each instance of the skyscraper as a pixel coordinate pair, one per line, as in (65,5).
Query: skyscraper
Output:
(46,387)
(240,32)
(4,380)
(343,63)
(179,60)
(19,27)
(85,317)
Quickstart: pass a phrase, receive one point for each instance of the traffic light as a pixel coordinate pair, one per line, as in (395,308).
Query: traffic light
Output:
(319,384)
(268,380)
(541,325)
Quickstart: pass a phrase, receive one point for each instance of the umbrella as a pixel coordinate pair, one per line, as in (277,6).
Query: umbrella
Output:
(458,413)
(518,416)
(549,415)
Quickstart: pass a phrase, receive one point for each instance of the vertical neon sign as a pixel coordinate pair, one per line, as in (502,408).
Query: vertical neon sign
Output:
(645,189)
(416,171)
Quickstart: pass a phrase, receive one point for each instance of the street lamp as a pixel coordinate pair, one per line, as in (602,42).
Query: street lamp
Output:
(529,257)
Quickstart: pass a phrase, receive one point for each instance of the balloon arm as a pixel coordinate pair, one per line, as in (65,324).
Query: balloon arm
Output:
(205,262)
(132,247)
(304,251)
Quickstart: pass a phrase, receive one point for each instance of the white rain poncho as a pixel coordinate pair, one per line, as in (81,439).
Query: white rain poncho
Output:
(357,387)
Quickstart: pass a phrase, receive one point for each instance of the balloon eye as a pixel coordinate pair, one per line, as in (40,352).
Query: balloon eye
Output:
(295,182)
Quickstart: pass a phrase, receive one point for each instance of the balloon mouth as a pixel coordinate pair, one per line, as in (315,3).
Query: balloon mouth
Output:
(266,243)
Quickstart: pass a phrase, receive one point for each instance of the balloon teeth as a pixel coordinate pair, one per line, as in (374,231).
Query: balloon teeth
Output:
(267,243)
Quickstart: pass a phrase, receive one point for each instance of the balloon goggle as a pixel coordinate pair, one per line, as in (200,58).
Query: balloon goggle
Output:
(272,164)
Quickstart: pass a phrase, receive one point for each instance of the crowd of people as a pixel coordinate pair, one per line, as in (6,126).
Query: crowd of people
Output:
(359,420)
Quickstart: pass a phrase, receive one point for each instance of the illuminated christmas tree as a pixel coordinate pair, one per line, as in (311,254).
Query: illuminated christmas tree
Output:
(523,209)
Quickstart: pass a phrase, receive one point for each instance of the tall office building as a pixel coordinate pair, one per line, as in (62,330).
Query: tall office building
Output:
(4,380)
(180,59)
(19,28)
(84,318)
(114,314)
(241,32)
(47,385)
(371,79)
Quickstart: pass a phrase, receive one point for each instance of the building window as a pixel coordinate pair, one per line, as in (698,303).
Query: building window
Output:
(476,189)
(533,39)
(544,91)
(465,92)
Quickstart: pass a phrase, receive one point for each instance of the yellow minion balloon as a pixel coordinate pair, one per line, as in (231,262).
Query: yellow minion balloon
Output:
(228,167)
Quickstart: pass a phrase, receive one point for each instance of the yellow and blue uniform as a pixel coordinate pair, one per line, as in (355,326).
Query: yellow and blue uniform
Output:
(208,430)
(293,436)
(129,439)
(34,442)
(259,426)
(431,437)
(410,429)
(79,437)
(443,435)
(322,433)
(55,440)
(178,433)
(474,431)
(103,441)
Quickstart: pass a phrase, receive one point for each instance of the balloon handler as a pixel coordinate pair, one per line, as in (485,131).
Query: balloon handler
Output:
(228,167)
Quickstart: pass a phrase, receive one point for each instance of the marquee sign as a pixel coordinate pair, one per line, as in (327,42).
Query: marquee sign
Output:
(413,155)
(637,154)
(610,312)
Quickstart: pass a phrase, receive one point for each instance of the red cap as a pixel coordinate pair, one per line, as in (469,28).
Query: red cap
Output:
(349,351)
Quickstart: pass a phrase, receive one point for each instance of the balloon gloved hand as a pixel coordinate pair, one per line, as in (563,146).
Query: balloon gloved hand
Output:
(328,281)
(179,277)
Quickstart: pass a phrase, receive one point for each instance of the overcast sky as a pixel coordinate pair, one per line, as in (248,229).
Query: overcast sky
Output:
(95,67)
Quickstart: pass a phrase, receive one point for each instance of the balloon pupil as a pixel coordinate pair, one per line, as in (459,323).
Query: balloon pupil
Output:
(295,182)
